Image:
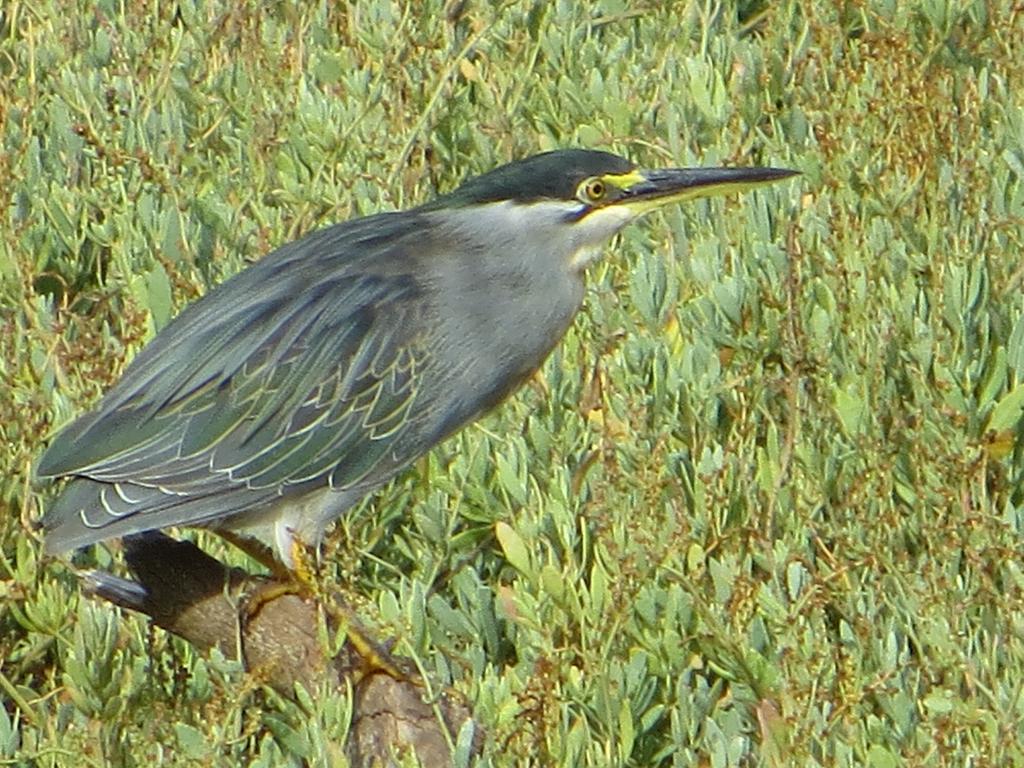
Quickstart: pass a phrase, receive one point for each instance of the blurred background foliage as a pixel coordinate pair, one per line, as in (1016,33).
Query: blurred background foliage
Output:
(763,506)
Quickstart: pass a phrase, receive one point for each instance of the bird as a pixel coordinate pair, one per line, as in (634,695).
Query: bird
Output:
(297,387)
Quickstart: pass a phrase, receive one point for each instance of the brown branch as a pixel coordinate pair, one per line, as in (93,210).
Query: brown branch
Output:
(198,598)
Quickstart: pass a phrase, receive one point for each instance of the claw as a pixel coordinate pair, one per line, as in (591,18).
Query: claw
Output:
(303,581)
(267,593)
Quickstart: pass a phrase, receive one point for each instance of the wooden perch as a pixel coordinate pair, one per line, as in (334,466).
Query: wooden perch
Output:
(198,598)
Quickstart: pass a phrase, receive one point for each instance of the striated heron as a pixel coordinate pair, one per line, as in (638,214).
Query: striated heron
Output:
(295,388)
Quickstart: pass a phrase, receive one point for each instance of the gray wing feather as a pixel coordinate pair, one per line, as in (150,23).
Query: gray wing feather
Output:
(300,371)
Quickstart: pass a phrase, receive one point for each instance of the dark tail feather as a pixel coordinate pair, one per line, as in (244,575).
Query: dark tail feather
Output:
(114,589)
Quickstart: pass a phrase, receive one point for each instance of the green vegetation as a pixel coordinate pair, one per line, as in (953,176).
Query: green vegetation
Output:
(763,507)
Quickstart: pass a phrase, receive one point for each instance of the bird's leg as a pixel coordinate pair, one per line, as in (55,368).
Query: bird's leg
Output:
(259,552)
(281,582)
(304,566)
(303,581)
(375,657)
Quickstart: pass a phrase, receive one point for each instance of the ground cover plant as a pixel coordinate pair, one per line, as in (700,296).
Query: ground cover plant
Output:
(763,506)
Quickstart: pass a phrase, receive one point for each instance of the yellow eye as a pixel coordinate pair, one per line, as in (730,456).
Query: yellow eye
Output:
(593,190)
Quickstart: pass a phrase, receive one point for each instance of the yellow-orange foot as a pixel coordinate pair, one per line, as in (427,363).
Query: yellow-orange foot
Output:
(375,657)
(302,580)
(267,593)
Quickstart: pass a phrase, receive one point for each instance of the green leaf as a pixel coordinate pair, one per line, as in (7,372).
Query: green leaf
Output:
(627,734)
(1008,410)
(552,582)
(850,408)
(191,742)
(158,293)
(515,550)
(880,757)
(287,736)
(939,703)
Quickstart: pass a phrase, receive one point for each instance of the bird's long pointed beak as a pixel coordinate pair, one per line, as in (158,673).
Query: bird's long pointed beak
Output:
(659,187)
